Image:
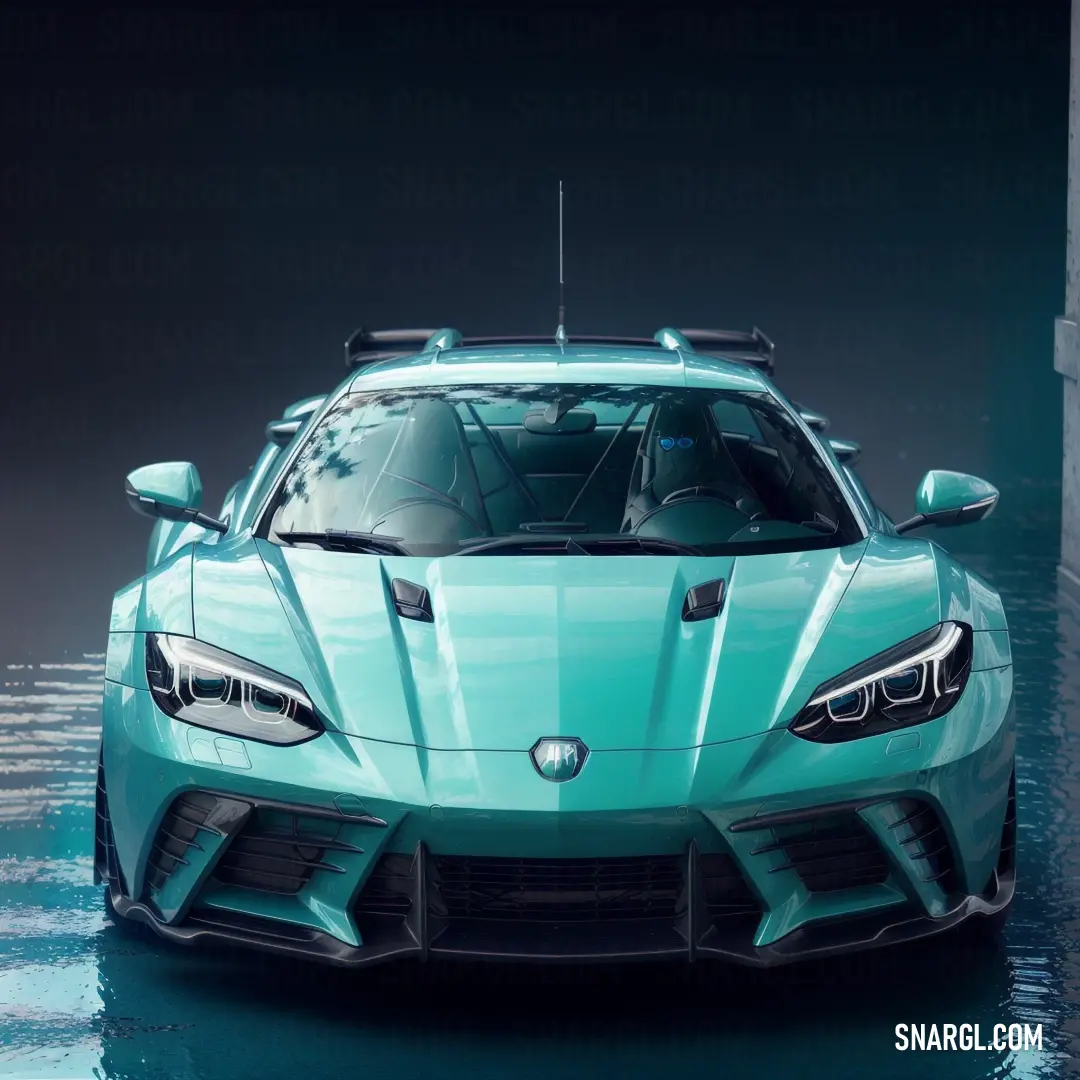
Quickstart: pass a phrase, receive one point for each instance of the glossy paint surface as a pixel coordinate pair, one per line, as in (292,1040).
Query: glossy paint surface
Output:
(513,651)
(82,998)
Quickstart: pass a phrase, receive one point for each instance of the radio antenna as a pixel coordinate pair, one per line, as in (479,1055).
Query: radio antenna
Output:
(560,333)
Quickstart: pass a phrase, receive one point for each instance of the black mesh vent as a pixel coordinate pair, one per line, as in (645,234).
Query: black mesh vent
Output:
(560,890)
(727,895)
(277,852)
(388,890)
(177,835)
(386,899)
(104,849)
(831,853)
(1007,858)
(927,844)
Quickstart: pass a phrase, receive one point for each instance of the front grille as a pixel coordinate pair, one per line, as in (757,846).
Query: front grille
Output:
(177,835)
(470,887)
(927,844)
(831,853)
(461,904)
(560,890)
(278,851)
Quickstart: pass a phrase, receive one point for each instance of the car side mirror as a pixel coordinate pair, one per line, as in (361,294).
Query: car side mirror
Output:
(303,408)
(846,451)
(281,432)
(171,490)
(950,498)
(814,420)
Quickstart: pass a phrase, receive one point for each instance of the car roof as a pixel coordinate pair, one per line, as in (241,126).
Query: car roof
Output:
(603,364)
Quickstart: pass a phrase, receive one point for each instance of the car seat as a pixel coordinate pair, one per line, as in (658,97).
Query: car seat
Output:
(692,491)
(427,490)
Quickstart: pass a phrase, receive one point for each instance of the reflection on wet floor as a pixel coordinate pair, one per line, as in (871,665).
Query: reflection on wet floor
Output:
(79,998)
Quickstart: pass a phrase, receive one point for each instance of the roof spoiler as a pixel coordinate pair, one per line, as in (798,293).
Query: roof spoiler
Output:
(365,347)
(755,342)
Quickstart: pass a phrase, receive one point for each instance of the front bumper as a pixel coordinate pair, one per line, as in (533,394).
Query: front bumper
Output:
(807,850)
(425,932)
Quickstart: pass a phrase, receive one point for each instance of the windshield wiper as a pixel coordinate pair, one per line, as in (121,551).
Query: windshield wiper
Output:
(521,545)
(651,545)
(574,545)
(364,543)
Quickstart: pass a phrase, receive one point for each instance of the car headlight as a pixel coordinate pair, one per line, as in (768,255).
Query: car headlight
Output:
(210,688)
(918,680)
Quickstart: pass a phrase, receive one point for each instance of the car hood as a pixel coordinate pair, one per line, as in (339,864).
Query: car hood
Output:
(523,648)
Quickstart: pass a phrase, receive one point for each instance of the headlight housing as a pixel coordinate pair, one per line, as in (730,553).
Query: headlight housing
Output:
(918,680)
(210,688)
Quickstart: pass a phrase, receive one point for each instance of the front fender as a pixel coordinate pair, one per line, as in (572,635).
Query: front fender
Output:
(170,537)
(158,601)
(965,596)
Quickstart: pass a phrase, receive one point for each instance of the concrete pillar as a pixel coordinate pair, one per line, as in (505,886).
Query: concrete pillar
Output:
(1067,341)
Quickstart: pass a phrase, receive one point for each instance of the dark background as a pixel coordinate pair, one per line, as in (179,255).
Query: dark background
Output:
(198,207)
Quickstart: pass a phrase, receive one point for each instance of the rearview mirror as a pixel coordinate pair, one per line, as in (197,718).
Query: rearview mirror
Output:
(171,490)
(846,451)
(281,432)
(950,498)
(571,422)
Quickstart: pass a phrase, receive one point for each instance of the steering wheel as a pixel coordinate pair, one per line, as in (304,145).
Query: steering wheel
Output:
(703,491)
(444,502)
(700,491)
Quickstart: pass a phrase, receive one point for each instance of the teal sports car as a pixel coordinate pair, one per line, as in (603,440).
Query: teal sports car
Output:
(555,649)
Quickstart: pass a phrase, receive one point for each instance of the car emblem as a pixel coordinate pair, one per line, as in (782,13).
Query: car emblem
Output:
(559,760)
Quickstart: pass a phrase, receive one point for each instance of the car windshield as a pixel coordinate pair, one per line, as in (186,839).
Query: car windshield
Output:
(571,468)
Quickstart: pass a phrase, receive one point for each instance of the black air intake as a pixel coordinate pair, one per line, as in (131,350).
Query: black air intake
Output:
(560,890)
(926,844)
(177,834)
(278,852)
(728,897)
(831,853)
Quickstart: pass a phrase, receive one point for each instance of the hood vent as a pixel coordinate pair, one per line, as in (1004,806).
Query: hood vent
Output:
(704,601)
(411,601)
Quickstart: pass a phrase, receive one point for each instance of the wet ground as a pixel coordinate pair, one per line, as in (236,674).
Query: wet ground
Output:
(80,998)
